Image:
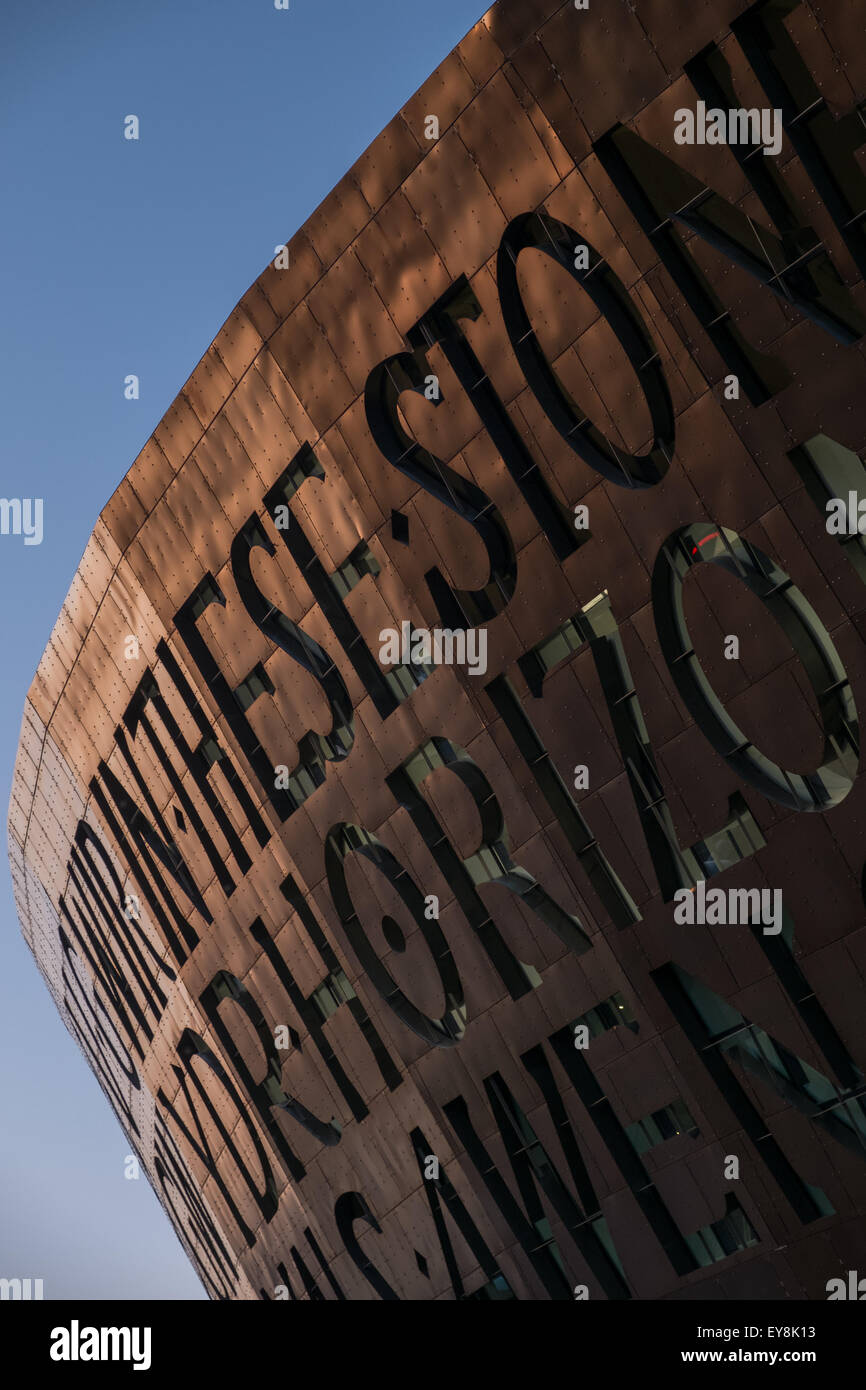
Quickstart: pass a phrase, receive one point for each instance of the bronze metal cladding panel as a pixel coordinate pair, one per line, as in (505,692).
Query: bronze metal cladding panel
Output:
(532,966)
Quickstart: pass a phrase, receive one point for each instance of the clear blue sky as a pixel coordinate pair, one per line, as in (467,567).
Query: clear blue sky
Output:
(119,257)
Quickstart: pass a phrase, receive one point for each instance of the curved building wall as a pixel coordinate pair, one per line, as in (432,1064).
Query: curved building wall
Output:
(381,951)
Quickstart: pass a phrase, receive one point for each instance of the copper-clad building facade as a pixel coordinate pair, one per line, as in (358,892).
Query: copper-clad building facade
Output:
(384,961)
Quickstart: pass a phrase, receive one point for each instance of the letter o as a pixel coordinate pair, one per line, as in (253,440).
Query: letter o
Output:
(342,841)
(537,231)
(829,784)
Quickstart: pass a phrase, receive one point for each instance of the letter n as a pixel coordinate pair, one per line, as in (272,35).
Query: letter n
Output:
(793,264)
